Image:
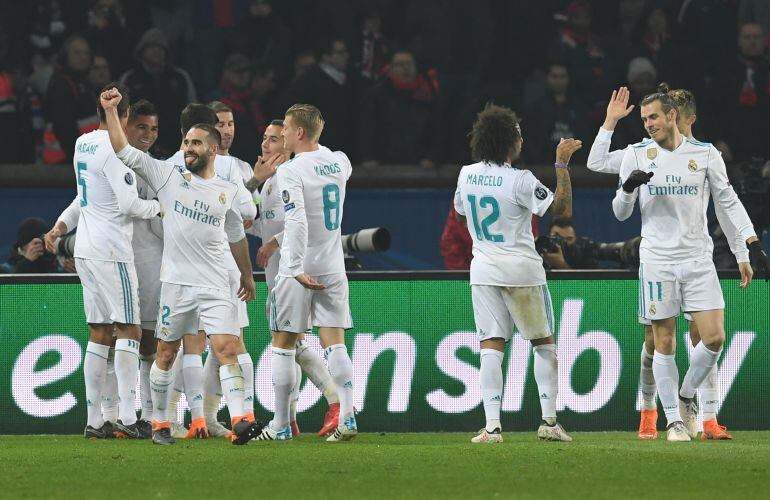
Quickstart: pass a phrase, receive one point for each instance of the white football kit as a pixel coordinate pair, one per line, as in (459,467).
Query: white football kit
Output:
(108,201)
(312,189)
(600,159)
(508,285)
(676,271)
(198,215)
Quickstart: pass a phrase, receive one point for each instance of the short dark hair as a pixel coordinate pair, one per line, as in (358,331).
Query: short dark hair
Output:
(494,134)
(214,135)
(277,122)
(665,100)
(142,107)
(194,114)
(561,222)
(220,107)
(123,105)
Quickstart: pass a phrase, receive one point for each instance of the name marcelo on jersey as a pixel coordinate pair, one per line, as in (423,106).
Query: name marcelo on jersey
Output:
(484,180)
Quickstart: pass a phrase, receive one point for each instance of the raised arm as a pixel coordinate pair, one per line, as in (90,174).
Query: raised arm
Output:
(123,183)
(599,158)
(562,197)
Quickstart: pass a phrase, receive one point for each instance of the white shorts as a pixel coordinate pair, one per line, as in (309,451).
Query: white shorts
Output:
(243,311)
(184,310)
(292,305)
(148,274)
(648,322)
(667,289)
(497,309)
(109,291)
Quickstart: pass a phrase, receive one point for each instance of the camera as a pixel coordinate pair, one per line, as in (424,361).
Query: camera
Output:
(64,246)
(585,252)
(373,239)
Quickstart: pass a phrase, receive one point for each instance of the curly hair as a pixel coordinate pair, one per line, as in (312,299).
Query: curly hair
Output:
(494,134)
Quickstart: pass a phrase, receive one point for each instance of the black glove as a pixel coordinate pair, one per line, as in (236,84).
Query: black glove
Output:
(759,259)
(636,179)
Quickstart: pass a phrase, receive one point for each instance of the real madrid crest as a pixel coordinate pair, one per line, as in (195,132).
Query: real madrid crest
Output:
(652,309)
(164,331)
(222,198)
(187,176)
(692,166)
(652,153)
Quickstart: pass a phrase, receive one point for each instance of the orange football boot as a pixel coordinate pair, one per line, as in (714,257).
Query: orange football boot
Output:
(712,430)
(198,429)
(648,424)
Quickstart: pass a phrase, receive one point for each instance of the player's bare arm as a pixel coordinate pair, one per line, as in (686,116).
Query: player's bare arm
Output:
(562,198)
(263,170)
(59,229)
(110,100)
(266,251)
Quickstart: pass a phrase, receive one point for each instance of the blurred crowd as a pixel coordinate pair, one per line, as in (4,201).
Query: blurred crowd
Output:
(398,81)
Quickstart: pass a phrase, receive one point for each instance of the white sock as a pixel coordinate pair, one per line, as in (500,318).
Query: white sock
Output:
(231,377)
(295,392)
(341,370)
(667,377)
(547,378)
(192,370)
(702,360)
(709,394)
(94,370)
(647,381)
(491,377)
(316,371)
(212,386)
(283,382)
(145,364)
(127,371)
(247,365)
(161,382)
(110,390)
(177,387)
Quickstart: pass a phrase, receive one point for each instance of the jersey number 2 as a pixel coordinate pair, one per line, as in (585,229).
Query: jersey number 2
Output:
(482,231)
(82,181)
(331,197)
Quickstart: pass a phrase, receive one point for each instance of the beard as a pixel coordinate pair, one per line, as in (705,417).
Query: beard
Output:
(199,162)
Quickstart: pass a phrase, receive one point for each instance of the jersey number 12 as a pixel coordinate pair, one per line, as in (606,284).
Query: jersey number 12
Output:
(482,231)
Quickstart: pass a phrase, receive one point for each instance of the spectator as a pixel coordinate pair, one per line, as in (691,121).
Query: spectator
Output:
(370,54)
(456,244)
(567,250)
(642,79)
(739,96)
(264,38)
(329,88)
(304,62)
(757,11)
(168,87)
(655,40)
(107,32)
(29,254)
(70,102)
(236,92)
(558,115)
(21,116)
(100,74)
(401,114)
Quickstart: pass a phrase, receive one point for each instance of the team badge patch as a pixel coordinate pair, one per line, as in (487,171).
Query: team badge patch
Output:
(164,331)
(222,198)
(652,153)
(541,193)
(187,176)
(269,189)
(652,309)
(129,178)
(692,166)
(285,196)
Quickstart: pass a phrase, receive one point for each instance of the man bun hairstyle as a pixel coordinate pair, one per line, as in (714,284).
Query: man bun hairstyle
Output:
(666,101)
(494,134)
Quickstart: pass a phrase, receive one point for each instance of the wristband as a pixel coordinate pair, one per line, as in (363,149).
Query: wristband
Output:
(561,165)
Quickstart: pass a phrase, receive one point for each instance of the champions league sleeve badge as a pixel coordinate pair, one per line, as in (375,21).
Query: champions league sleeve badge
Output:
(285,196)
(541,193)
(129,178)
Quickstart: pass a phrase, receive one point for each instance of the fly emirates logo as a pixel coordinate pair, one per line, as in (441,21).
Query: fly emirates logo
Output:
(673,187)
(198,212)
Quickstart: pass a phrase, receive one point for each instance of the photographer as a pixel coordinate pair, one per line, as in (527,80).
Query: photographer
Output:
(562,249)
(29,254)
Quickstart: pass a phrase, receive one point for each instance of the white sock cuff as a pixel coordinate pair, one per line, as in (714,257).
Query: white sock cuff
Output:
(230,371)
(192,361)
(333,348)
(662,357)
(301,346)
(706,350)
(646,354)
(245,358)
(493,353)
(283,352)
(98,349)
(129,345)
(545,347)
(157,373)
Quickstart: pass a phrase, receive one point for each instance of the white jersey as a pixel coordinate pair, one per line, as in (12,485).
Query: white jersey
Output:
(148,234)
(198,215)
(498,202)
(271,222)
(602,160)
(229,168)
(312,187)
(673,204)
(107,199)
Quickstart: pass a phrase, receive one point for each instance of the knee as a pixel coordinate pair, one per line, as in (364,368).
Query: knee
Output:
(165,358)
(716,343)
(227,350)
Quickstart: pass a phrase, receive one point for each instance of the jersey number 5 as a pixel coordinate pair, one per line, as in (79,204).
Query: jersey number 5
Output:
(482,231)
(331,197)
(81,180)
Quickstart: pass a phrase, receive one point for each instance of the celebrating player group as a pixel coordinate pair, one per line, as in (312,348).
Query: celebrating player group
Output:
(163,258)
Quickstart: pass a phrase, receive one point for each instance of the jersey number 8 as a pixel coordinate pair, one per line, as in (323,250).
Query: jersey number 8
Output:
(331,198)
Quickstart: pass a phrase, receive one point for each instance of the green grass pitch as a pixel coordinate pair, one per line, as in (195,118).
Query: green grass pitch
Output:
(446,465)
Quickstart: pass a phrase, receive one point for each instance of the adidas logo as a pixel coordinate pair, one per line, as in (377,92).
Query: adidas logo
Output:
(544,396)
(198,397)
(286,323)
(652,165)
(348,385)
(496,398)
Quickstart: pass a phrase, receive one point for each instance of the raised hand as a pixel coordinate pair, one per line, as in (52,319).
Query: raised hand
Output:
(636,179)
(617,108)
(266,168)
(566,148)
(110,98)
